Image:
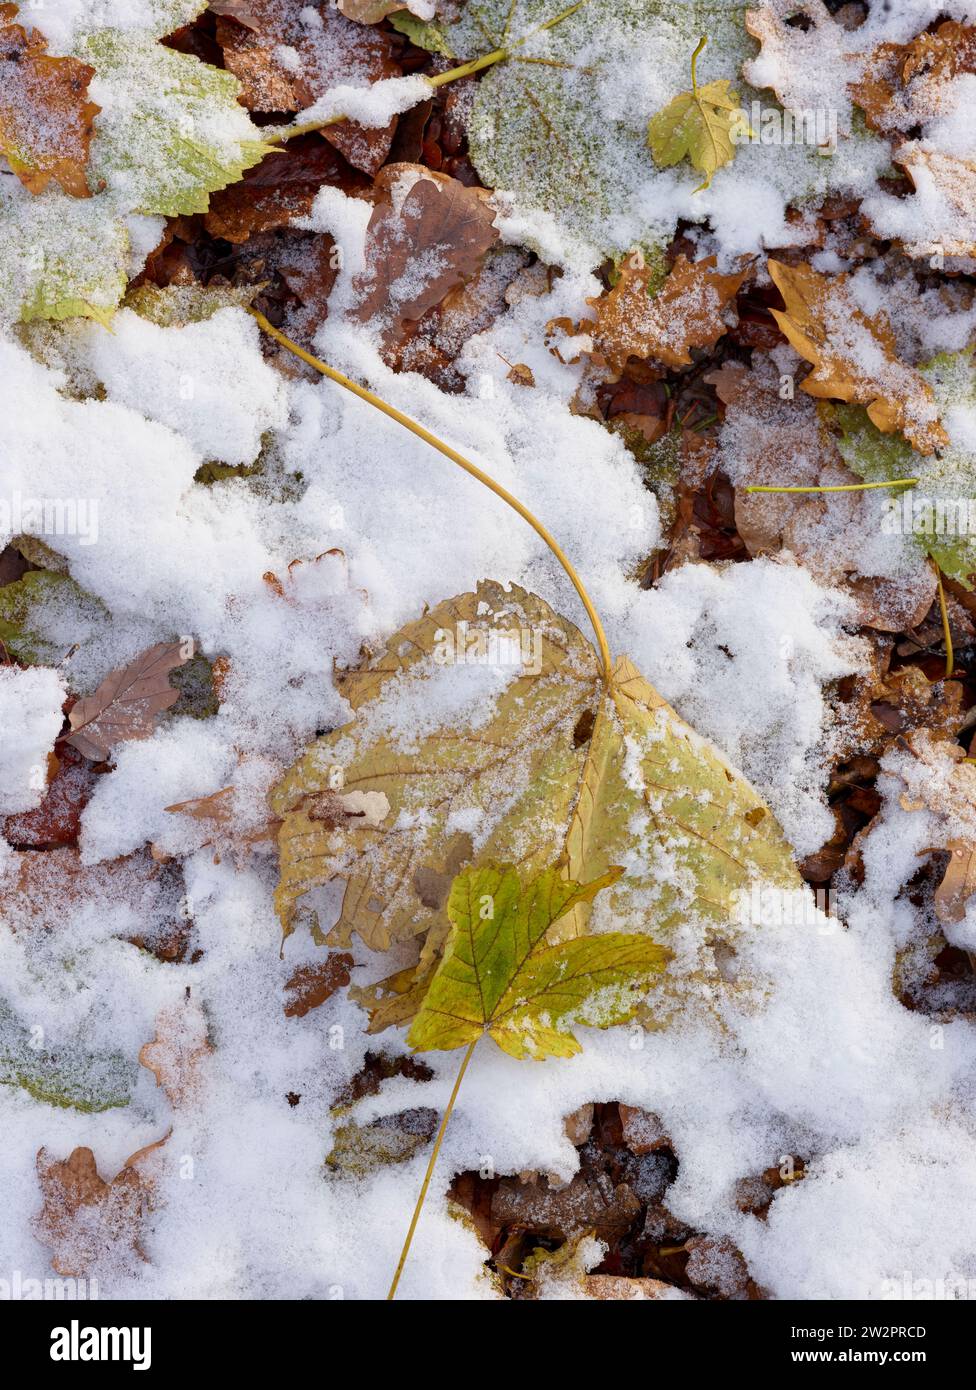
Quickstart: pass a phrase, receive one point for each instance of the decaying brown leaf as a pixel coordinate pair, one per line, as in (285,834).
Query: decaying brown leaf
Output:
(689,311)
(312,985)
(127,702)
(428,235)
(286,64)
(853,355)
(45,115)
(84,1219)
(904,84)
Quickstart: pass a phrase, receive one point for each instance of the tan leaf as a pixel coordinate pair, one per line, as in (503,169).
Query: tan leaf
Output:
(178,1051)
(687,312)
(228,836)
(127,702)
(557,768)
(84,1219)
(853,355)
(45,117)
(949,184)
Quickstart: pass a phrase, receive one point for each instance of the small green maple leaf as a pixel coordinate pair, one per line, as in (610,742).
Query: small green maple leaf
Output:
(500,976)
(698,125)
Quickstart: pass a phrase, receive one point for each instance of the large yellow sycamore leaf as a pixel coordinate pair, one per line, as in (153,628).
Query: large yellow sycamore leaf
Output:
(454,755)
(853,355)
(501,976)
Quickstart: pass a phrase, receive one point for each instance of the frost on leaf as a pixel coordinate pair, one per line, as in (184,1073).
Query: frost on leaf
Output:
(287,56)
(428,234)
(45,115)
(698,126)
(126,703)
(85,1220)
(687,312)
(500,975)
(539,129)
(905,84)
(177,1054)
(540,766)
(171,130)
(60,257)
(853,355)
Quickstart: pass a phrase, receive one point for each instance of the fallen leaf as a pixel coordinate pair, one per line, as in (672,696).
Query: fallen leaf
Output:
(948,181)
(500,976)
(286,57)
(228,833)
(279,189)
(372,11)
(57,820)
(958,883)
(687,312)
(793,56)
(698,126)
(359,1149)
(127,702)
(85,1220)
(312,985)
(45,116)
(583,1205)
(606,1287)
(905,84)
(853,355)
(427,235)
(177,1053)
(542,778)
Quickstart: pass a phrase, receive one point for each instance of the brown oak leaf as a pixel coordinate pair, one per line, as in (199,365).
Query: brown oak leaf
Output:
(687,312)
(85,1219)
(45,116)
(904,84)
(853,355)
(126,703)
(286,56)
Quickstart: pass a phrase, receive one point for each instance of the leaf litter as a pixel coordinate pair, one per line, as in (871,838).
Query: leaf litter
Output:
(529,262)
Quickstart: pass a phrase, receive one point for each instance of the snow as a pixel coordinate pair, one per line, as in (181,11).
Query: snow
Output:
(31,718)
(809,1056)
(374,104)
(204,380)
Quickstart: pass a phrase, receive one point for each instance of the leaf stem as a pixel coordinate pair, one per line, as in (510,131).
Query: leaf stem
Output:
(837,487)
(943,609)
(462,462)
(430,1169)
(694,61)
(439,79)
